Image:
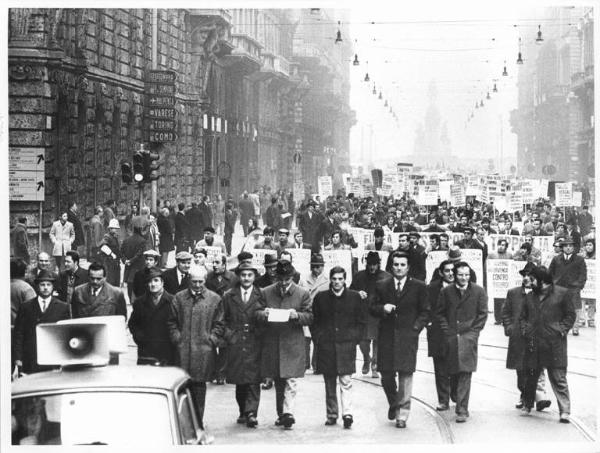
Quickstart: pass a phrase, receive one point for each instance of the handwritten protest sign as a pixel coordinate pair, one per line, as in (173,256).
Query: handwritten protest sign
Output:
(301,260)
(589,290)
(427,194)
(564,194)
(542,243)
(212,253)
(458,195)
(503,275)
(338,258)
(325,186)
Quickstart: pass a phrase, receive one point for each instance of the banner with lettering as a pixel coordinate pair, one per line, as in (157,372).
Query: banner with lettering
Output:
(503,275)
(458,195)
(563,194)
(338,258)
(472,256)
(589,290)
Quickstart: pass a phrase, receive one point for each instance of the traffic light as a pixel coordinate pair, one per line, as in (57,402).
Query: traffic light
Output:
(138,166)
(151,166)
(126,172)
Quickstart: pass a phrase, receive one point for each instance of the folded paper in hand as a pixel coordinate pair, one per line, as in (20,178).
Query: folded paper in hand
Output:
(106,249)
(278,315)
(285,215)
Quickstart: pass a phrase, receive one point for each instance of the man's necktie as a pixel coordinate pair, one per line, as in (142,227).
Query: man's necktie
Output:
(245,296)
(44,305)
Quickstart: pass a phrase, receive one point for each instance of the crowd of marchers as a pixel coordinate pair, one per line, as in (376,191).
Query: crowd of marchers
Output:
(259,331)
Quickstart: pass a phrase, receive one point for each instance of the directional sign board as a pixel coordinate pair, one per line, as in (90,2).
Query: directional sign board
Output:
(26,174)
(161,114)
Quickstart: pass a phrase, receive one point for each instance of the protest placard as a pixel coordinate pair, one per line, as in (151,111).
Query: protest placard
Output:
(514,200)
(427,194)
(445,193)
(528,188)
(212,253)
(577,197)
(503,275)
(542,243)
(472,188)
(542,188)
(589,290)
(298,190)
(475,259)
(338,258)
(325,187)
(300,260)
(458,195)
(563,194)
(258,258)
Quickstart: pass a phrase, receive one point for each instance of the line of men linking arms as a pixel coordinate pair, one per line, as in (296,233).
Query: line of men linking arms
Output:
(186,328)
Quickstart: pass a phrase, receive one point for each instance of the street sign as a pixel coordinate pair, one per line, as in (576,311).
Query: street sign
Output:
(155,100)
(162,112)
(157,88)
(26,175)
(161,115)
(161,136)
(161,125)
(160,76)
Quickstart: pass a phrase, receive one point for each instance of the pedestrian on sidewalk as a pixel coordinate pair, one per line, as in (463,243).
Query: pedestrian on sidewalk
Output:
(62,235)
(339,318)
(110,253)
(462,312)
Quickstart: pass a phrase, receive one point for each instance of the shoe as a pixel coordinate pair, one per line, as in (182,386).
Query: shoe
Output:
(365,368)
(497,323)
(542,404)
(251,421)
(460,418)
(374,374)
(392,412)
(373,367)
(267,385)
(519,405)
(575,332)
(591,323)
(330,421)
(287,420)
(241,419)
(442,407)
(400,424)
(279,421)
(348,420)
(564,418)
(525,410)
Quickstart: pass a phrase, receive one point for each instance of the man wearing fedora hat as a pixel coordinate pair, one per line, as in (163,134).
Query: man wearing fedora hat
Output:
(365,282)
(511,311)
(315,282)
(41,309)
(545,320)
(177,278)
(270,276)
(149,322)
(283,342)
(242,336)
(570,271)
(151,259)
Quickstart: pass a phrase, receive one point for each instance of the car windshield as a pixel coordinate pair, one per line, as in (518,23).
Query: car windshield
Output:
(91,418)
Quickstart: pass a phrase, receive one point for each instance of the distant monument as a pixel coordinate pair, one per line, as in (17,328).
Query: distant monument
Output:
(432,148)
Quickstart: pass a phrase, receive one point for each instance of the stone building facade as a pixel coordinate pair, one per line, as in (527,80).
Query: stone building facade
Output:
(77,92)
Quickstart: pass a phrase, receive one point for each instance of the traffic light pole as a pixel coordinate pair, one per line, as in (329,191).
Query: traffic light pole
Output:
(153,184)
(140,195)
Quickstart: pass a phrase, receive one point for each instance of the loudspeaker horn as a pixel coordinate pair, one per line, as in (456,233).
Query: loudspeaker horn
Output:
(117,339)
(72,344)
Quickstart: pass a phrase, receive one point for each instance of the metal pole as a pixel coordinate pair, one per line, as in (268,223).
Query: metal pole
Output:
(141,195)
(40,226)
(153,184)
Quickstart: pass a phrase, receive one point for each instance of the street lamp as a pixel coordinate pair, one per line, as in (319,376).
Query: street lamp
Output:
(367,78)
(539,38)
(519,58)
(504,72)
(338,37)
(495,90)
(355,62)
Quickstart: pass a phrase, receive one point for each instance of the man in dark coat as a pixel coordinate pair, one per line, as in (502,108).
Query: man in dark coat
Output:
(204,207)
(166,235)
(545,320)
(511,312)
(270,275)
(436,343)
(461,312)
(339,318)
(365,282)
(570,271)
(176,279)
(402,306)
(19,241)
(71,277)
(230,219)
(196,223)
(139,286)
(309,224)
(149,322)
(182,228)
(132,255)
(283,357)
(42,309)
(73,217)
(416,257)
(246,208)
(273,215)
(242,336)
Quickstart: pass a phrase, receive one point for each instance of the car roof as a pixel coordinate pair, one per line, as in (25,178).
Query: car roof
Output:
(140,377)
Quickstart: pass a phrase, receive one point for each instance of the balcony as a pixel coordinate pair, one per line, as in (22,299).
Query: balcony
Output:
(273,67)
(219,16)
(245,56)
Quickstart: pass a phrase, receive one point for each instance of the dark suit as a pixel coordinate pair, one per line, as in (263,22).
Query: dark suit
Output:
(398,338)
(511,312)
(149,326)
(109,301)
(24,335)
(310,228)
(181,232)
(62,285)
(79,236)
(570,274)
(437,347)
(172,285)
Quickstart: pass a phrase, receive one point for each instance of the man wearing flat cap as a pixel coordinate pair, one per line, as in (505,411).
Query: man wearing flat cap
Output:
(151,259)
(241,335)
(210,241)
(149,322)
(365,282)
(177,278)
(570,271)
(42,309)
(283,342)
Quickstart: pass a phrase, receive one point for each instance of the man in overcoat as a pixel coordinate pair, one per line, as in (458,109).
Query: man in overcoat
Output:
(71,277)
(283,357)
(242,336)
(339,318)
(462,312)
(177,278)
(436,343)
(194,330)
(402,306)
(62,235)
(19,241)
(309,224)
(365,282)
(97,297)
(511,311)
(570,271)
(41,309)
(545,320)
(149,322)
(132,255)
